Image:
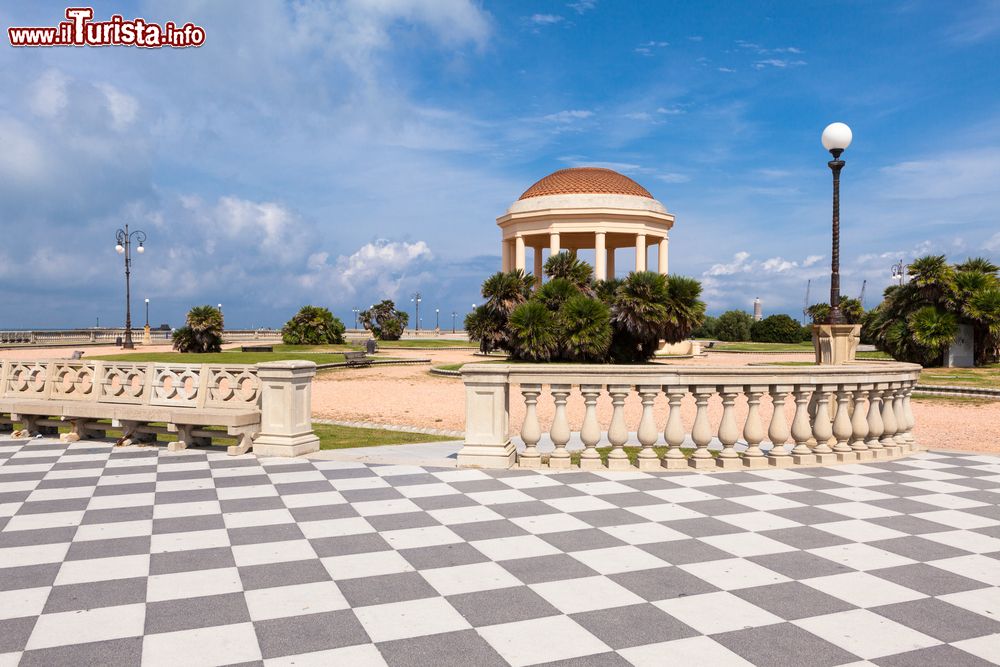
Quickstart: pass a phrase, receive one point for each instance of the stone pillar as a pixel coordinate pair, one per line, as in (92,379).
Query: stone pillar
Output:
(538,266)
(662,256)
(836,343)
(611,264)
(504,255)
(286,409)
(519,260)
(600,256)
(487,415)
(640,252)
(554,243)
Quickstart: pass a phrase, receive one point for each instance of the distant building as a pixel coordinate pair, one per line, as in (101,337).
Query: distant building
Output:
(758,312)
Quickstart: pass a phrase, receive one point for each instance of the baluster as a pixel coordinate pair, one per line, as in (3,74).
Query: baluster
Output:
(647,434)
(701,431)
(560,427)
(875,426)
(889,421)
(753,430)
(823,426)
(618,430)
(859,424)
(728,431)
(531,432)
(908,411)
(897,411)
(673,433)
(801,430)
(590,433)
(842,428)
(778,431)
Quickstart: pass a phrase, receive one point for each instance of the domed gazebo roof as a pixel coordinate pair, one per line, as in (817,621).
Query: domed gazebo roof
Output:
(585,180)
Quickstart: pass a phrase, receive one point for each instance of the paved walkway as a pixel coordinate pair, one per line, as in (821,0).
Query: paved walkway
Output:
(116,556)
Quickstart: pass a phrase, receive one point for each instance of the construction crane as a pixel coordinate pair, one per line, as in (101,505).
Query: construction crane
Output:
(805,308)
(864,284)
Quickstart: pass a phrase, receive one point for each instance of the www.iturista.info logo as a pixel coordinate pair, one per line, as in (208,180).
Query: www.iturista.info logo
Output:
(81,30)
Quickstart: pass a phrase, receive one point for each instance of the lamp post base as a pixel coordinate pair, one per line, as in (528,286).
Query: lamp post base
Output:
(836,343)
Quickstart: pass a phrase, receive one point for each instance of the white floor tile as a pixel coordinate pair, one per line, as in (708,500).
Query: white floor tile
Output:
(107,531)
(371,564)
(958,519)
(469,578)
(857,530)
(734,573)
(23,602)
(415,618)
(644,533)
(353,525)
(866,634)
(272,552)
(381,507)
(471,514)
(296,600)
(984,601)
(33,555)
(614,560)
(427,536)
(427,490)
(45,520)
(571,596)
(177,510)
(102,569)
(710,613)
(500,497)
(966,540)
(976,566)
(689,651)
(507,548)
(196,583)
(122,500)
(361,655)
(198,539)
(549,523)
(90,625)
(579,504)
(745,545)
(665,512)
(219,645)
(257,518)
(863,589)
(541,640)
(758,521)
(861,556)
(313,499)
(987,648)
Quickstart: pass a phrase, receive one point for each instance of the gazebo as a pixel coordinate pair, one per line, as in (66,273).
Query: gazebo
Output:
(585,208)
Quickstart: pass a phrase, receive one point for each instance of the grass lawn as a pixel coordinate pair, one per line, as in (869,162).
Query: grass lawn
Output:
(765,347)
(985,376)
(224,357)
(965,400)
(449,367)
(437,343)
(342,437)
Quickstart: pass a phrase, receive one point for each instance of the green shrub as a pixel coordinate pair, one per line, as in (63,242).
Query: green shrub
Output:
(533,335)
(202,333)
(313,325)
(776,329)
(734,326)
(584,329)
(384,321)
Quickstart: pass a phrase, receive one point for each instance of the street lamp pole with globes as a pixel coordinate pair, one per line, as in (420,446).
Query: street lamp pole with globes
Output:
(123,246)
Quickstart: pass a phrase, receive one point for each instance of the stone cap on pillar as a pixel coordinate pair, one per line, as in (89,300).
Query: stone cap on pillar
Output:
(288,368)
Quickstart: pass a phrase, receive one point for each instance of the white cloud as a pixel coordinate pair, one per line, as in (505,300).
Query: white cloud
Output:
(777,265)
(545,19)
(993,243)
(122,106)
(811,259)
(779,63)
(670,111)
(376,270)
(738,265)
(673,177)
(582,6)
(48,96)
(568,116)
(726,69)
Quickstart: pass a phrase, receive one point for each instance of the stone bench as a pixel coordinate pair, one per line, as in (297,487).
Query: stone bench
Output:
(356,359)
(266,406)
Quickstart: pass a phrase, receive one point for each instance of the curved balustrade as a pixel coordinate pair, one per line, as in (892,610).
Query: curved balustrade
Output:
(853,412)
(158,336)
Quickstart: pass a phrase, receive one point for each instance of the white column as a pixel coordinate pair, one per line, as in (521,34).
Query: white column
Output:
(538,266)
(554,243)
(662,256)
(611,264)
(601,256)
(640,252)
(504,255)
(519,262)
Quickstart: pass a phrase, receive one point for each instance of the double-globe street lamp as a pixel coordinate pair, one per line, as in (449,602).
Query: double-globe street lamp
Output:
(416,300)
(123,246)
(836,138)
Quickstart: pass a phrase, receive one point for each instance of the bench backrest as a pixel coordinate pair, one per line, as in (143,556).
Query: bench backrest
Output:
(215,386)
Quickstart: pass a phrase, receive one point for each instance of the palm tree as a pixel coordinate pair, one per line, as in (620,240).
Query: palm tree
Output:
(566,265)
(506,291)
(556,292)
(934,329)
(533,332)
(202,333)
(640,315)
(685,311)
(584,329)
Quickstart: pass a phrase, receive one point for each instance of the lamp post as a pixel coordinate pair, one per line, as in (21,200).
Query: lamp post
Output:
(147,339)
(437,319)
(416,300)
(355,311)
(899,271)
(453,316)
(123,246)
(147,313)
(836,138)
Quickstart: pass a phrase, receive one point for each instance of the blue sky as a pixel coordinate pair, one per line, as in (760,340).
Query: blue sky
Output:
(337,153)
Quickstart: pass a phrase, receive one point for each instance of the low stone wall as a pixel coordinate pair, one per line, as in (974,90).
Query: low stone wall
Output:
(844,413)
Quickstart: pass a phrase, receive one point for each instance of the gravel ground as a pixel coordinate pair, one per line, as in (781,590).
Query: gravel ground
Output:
(409,395)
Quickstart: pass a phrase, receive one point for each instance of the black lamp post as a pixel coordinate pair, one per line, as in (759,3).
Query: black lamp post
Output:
(416,300)
(836,138)
(437,319)
(147,313)
(899,271)
(124,240)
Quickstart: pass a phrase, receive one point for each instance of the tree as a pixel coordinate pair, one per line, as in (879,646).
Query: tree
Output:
(707,328)
(850,308)
(776,329)
(384,321)
(919,320)
(313,325)
(487,325)
(566,265)
(685,310)
(533,332)
(584,326)
(734,326)
(486,328)
(202,332)
(650,307)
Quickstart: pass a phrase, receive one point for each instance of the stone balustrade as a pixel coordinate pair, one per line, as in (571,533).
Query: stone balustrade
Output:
(852,412)
(267,406)
(70,336)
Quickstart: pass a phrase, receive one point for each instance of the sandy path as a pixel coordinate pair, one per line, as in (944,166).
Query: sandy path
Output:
(409,395)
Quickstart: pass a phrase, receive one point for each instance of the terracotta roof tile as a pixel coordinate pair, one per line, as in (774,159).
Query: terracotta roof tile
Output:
(585,180)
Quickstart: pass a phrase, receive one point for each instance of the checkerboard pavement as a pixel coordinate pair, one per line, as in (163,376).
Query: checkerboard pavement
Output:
(129,555)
